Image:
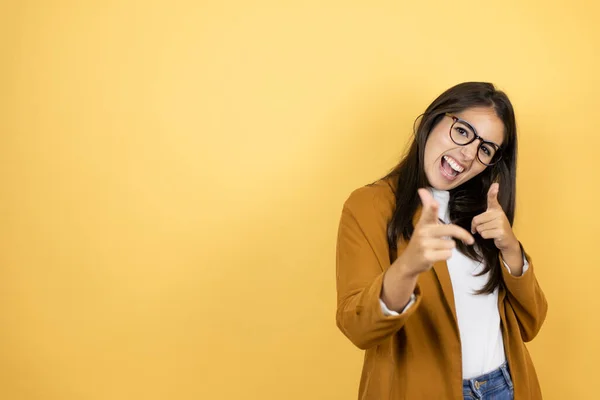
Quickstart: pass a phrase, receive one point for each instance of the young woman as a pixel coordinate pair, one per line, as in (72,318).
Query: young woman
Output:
(432,281)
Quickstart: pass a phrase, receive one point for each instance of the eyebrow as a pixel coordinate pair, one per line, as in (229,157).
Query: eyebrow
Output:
(475,131)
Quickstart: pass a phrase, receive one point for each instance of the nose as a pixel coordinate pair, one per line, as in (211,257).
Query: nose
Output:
(470,151)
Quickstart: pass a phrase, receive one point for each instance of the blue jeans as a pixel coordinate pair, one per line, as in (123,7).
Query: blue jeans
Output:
(495,385)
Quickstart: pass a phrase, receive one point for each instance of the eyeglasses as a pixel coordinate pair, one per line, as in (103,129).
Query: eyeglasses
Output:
(462,133)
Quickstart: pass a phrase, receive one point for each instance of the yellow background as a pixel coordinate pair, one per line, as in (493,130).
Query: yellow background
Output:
(172,175)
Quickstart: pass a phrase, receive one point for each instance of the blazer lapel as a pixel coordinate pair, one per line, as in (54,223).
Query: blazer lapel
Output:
(441,271)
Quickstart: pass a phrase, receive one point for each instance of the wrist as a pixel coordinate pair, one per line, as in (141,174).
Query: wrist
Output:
(514,259)
(404,271)
(513,250)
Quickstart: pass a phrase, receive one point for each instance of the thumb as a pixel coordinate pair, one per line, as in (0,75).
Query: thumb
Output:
(430,207)
(492,197)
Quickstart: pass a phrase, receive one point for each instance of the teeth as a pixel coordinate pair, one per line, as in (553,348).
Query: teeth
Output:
(454,164)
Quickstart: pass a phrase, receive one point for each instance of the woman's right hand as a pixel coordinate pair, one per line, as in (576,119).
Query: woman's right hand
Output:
(431,240)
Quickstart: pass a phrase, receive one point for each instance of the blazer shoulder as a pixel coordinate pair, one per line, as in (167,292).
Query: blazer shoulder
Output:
(375,198)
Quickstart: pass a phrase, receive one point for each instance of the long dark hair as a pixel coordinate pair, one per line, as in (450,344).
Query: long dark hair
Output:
(470,198)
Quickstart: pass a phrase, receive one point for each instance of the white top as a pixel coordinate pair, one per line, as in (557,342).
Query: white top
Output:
(477,315)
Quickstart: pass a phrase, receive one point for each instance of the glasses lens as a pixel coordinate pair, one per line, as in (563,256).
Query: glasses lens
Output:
(486,153)
(461,133)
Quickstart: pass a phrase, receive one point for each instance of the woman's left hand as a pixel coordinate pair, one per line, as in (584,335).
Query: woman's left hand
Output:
(493,223)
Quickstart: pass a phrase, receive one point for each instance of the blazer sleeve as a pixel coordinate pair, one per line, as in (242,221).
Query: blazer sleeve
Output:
(527,299)
(362,257)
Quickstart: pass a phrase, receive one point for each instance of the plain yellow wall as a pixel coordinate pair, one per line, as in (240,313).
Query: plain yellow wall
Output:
(172,176)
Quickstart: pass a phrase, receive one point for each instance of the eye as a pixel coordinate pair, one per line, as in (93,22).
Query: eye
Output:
(462,131)
(486,150)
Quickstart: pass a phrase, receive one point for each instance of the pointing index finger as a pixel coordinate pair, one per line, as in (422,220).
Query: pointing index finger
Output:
(455,231)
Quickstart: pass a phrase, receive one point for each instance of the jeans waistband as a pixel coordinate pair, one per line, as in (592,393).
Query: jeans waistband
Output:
(477,384)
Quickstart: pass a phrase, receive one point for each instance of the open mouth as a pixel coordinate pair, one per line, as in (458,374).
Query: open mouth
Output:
(450,167)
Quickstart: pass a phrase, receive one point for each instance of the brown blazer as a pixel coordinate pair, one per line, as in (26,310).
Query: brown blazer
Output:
(417,355)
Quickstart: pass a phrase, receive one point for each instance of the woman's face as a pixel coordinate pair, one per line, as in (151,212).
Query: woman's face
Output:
(440,148)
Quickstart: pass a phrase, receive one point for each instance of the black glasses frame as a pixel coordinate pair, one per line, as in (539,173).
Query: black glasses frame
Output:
(497,154)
